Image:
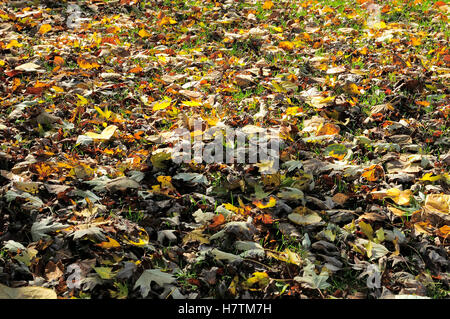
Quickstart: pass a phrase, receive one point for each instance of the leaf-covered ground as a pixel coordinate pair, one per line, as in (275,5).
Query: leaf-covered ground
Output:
(93,205)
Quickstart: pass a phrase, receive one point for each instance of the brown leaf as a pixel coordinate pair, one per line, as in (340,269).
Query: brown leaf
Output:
(54,271)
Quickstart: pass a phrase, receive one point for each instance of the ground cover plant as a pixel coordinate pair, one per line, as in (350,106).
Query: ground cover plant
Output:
(94,204)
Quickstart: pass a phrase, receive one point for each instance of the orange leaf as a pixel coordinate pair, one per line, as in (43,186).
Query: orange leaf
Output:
(444,231)
(328,129)
(111,243)
(373,173)
(45,28)
(84,64)
(265,218)
(423,103)
(137,69)
(286,45)
(415,42)
(58,61)
(217,221)
(271,203)
(144,34)
(267,5)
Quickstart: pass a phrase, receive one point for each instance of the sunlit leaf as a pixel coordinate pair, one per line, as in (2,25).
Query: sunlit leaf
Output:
(105,135)
(267,5)
(44,29)
(373,173)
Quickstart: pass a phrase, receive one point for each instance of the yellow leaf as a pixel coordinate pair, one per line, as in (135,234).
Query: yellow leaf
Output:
(234,209)
(105,135)
(415,42)
(369,248)
(366,229)
(351,88)
(278,88)
(379,25)
(142,241)
(293,111)
(106,114)
(271,203)
(286,45)
(13,43)
(82,100)
(396,211)
(430,177)
(260,278)
(328,129)
(167,20)
(438,203)
(421,227)
(373,173)
(111,243)
(166,182)
(160,105)
(320,102)
(191,103)
(399,197)
(84,64)
(57,89)
(267,5)
(233,284)
(277,29)
(143,33)
(45,28)
(286,256)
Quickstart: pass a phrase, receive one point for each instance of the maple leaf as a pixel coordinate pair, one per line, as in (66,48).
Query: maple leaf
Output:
(315,281)
(152,275)
(40,229)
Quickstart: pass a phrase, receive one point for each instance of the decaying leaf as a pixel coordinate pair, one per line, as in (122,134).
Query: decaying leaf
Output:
(152,275)
(29,292)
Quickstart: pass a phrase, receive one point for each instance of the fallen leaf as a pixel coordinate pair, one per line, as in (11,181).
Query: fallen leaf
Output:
(267,5)
(29,292)
(217,221)
(44,29)
(373,173)
(271,203)
(105,135)
(328,129)
(111,243)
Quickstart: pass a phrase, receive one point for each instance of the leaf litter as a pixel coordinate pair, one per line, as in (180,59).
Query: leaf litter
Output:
(93,204)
